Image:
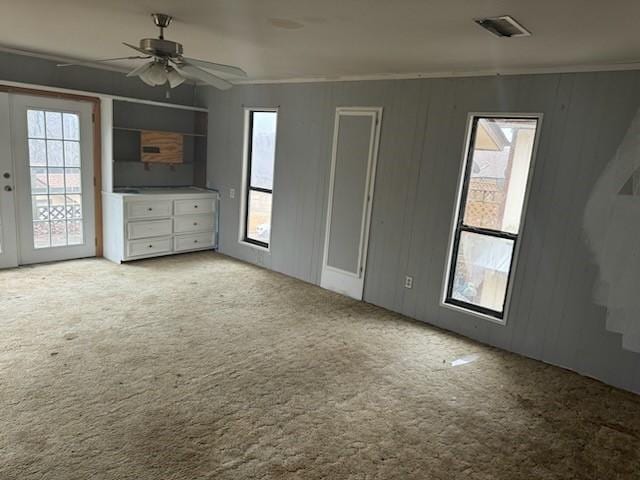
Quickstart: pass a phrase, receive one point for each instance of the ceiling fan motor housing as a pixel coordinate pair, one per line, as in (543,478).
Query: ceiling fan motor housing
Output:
(161,48)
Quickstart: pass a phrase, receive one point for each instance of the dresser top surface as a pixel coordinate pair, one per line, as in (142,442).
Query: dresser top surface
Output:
(133,191)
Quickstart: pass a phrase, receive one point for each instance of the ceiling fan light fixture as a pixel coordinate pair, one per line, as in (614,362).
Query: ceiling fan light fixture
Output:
(174,78)
(154,75)
(146,80)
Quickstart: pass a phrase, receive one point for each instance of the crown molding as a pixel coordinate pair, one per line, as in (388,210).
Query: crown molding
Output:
(480,72)
(606,67)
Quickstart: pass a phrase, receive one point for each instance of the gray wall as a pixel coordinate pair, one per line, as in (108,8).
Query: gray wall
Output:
(553,316)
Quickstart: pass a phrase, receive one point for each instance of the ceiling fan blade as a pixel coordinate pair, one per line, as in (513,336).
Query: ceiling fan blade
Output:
(141,50)
(219,67)
(89,62)
(140,70)
(205,77)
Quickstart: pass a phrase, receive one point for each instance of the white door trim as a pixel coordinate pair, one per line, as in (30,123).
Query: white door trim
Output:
(332,278)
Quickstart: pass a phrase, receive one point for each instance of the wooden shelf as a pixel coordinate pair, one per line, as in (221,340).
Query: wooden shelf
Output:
(127,129)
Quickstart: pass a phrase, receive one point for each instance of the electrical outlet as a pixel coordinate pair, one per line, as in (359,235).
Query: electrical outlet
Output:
(408,282)
(232,193)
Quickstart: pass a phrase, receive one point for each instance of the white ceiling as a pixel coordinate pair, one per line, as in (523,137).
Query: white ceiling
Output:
(303,39)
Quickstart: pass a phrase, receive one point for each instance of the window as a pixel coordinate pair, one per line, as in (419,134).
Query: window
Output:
(489,219)
(260,160)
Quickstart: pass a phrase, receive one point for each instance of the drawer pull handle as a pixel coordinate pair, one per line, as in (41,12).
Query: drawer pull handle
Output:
(195,224)
(195,206)
(150,209)
(150,246)
(195,241)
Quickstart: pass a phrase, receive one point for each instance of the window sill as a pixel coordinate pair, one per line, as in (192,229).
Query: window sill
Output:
(253,245)
(473,313)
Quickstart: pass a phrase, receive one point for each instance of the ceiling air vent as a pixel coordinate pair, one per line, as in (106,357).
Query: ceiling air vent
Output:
(504,26)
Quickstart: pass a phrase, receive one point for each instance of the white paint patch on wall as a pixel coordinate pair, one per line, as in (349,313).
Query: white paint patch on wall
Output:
(612,227)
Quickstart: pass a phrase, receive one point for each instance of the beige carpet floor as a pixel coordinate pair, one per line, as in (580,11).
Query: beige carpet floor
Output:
(201,367)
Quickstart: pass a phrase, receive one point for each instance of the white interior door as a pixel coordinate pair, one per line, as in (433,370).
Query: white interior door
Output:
(52,143)
(8,231)
(353,171)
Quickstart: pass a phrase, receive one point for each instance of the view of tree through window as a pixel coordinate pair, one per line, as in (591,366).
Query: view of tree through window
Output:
(495,183)
(260,163)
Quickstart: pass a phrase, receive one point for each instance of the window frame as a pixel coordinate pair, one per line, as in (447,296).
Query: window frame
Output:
(246,177)
(458,226)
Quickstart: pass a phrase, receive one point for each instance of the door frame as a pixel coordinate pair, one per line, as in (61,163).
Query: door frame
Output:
(332,277)
(97,146)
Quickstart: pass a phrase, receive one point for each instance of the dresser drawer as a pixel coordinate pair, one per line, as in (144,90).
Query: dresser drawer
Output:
(193,223)
(200,205)
(193,241)
(149,209)
(149,228)
(150,246)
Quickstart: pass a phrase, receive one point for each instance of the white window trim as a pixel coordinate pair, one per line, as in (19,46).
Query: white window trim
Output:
(245,174)
(456,212)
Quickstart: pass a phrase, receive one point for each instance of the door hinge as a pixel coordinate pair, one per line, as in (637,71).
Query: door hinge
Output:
(95,181)
(93,117)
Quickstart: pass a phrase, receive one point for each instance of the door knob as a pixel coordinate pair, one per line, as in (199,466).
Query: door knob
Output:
(7,188)
(6,175)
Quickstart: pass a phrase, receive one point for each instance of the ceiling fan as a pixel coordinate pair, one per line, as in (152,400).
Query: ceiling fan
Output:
(167,64)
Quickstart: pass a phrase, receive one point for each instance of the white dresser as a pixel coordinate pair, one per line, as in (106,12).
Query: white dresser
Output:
(150,222)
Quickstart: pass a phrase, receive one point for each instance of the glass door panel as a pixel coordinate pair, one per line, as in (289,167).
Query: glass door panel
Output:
(55,170)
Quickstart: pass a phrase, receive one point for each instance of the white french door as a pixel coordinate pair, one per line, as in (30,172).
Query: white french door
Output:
(51,145)
(8,231)
(353,172)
